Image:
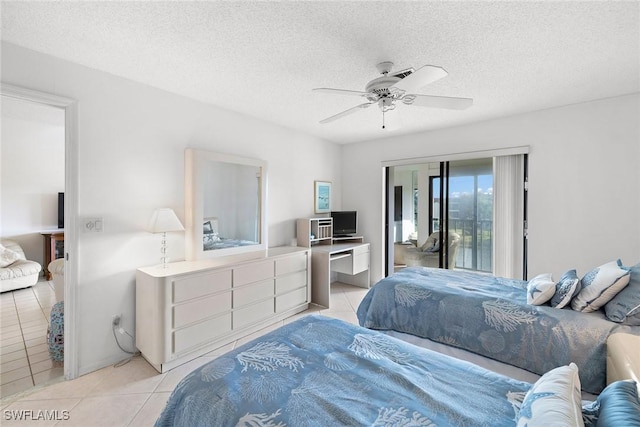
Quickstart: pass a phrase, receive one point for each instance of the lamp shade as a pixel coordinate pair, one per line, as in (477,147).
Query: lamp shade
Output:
(163,220)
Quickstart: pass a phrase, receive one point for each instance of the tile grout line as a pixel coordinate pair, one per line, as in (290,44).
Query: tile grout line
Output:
(141,406)
(24,341)
(15,303)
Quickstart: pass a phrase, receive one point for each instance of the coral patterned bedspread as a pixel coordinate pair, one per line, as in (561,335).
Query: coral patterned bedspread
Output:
(318,371)
(490,316)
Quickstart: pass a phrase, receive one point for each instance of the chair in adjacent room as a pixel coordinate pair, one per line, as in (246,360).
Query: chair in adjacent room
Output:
(428,254)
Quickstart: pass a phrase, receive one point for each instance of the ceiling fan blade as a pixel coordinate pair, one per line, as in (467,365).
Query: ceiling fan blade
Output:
(420,78)
(447,102)
(341,91)
(347,112)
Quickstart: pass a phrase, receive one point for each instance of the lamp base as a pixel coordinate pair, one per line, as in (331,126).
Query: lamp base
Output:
(164,259)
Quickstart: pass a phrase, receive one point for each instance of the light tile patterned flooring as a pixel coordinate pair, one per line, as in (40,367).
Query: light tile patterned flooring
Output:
(24,354)
(134,394)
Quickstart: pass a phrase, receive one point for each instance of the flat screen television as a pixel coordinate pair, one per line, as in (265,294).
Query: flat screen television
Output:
(345,223)
(60,210)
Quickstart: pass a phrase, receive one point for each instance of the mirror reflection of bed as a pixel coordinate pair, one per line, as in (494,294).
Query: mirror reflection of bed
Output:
(225,205)
(211,239)
(231,193)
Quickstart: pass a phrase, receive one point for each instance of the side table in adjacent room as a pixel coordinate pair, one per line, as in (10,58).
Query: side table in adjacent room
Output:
(53,248)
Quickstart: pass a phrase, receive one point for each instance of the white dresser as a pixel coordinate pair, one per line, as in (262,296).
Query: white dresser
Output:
(193,307)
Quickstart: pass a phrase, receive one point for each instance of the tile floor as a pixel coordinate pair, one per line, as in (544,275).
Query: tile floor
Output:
(24,353)
(134,394)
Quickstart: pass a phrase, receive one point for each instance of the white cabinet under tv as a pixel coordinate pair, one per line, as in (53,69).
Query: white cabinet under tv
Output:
(193,307)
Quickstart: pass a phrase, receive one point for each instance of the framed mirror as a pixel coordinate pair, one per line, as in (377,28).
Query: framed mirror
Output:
(225,208)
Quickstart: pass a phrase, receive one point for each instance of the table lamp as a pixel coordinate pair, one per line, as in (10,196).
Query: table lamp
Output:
(163,220)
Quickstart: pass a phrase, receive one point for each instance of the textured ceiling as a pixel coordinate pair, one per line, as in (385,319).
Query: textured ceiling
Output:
(263,58)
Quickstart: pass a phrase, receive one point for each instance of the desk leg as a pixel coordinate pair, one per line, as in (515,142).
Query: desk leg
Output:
(320,279)
(361,279)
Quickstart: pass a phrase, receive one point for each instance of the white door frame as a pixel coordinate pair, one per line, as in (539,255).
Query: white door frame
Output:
(70,107)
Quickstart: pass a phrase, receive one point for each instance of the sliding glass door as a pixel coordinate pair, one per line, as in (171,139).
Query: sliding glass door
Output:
(455,202)
(470,211)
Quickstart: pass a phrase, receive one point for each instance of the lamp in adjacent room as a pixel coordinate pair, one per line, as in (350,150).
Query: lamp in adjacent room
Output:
(162,221)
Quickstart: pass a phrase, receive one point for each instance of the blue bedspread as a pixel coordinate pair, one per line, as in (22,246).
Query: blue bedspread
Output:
(318,371)
(490,316)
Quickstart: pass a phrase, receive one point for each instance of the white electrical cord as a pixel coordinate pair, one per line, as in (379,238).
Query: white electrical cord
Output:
(115,336)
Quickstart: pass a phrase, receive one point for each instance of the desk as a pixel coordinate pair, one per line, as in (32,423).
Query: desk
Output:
(53,248)
(349,260)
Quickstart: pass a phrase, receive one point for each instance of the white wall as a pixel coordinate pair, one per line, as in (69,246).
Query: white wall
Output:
(584,180)
(131,160)
(404,178)
(31,173)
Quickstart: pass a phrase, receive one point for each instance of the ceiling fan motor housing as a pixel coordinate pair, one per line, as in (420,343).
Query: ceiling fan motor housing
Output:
(381,85)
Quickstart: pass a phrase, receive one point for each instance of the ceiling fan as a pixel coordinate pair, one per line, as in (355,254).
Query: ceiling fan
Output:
(391,88)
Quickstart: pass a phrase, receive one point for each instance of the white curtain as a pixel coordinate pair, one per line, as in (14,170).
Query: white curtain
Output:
(508,215)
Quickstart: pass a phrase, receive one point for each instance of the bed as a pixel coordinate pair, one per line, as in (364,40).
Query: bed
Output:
(318,371)
(210,242)
(490,316)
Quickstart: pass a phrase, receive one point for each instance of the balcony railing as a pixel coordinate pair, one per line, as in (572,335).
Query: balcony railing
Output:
(476,248)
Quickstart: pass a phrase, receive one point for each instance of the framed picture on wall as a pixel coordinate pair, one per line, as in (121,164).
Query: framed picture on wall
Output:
(322,196)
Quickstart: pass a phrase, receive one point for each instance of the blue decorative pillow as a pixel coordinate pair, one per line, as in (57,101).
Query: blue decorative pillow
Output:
(554,400)
(600,285)
(540,289)
(434,248)
(619,405)
(590,413)
(566,289)
(625,307)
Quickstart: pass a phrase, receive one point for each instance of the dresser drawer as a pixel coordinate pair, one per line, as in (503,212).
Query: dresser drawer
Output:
(254,272)
(291,281)
(256,292)
(291,299)
(253,313)
(201,333)
(197,286)
(194,311)
(291,263)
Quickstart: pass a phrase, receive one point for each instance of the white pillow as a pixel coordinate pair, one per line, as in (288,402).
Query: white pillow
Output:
(600,285)
(540,289)
(554,400)
(7,256)
(625,307)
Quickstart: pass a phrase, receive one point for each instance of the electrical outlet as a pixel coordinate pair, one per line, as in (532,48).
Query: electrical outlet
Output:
(115,319)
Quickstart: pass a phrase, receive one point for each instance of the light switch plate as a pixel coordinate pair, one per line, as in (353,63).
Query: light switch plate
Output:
(93,225)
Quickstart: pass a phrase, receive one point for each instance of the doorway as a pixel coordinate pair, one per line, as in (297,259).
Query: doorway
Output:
(38,140)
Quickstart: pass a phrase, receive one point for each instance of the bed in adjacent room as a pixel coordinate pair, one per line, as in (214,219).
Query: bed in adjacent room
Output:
(490,316)
(319,371)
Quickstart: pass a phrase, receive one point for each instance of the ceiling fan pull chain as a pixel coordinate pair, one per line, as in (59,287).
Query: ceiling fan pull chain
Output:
(382,119)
